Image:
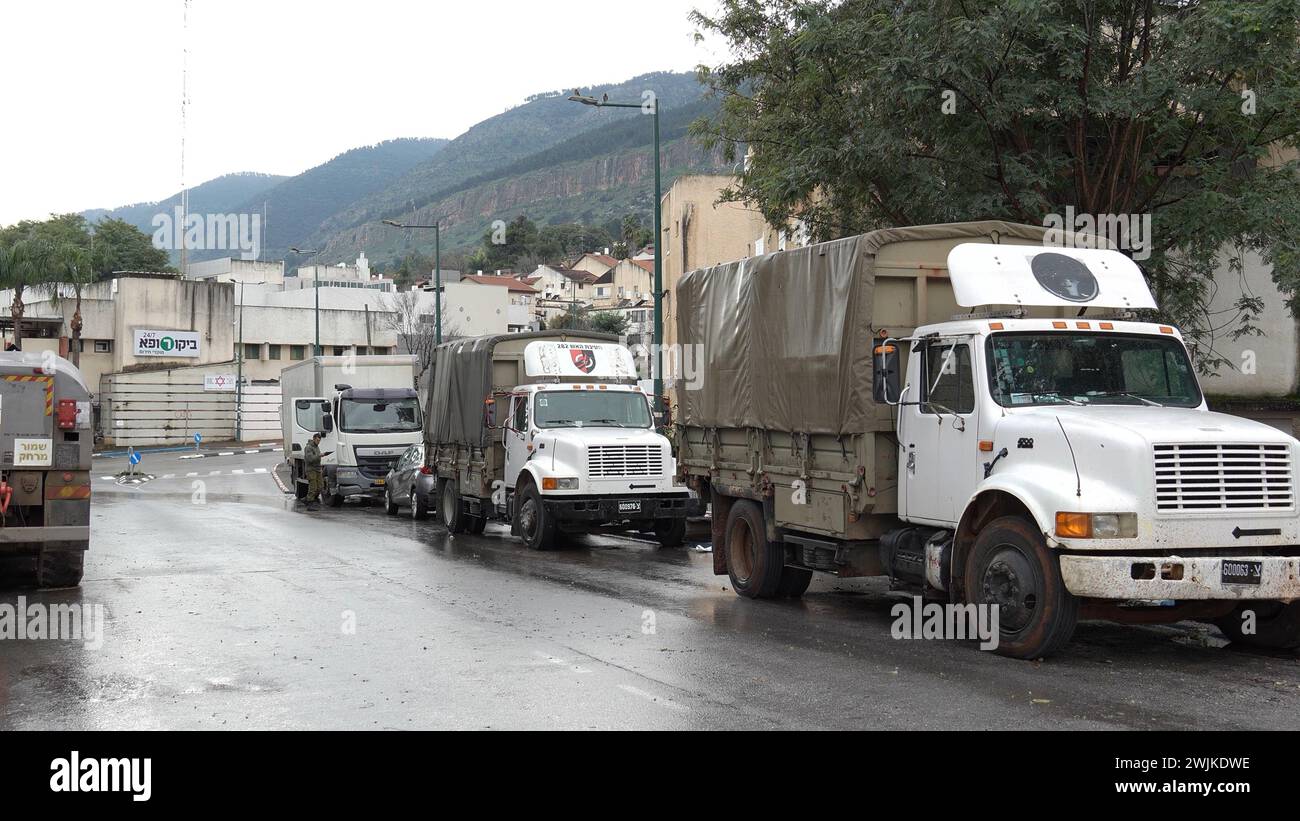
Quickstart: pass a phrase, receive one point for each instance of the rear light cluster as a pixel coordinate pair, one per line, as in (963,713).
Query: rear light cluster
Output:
(426,470)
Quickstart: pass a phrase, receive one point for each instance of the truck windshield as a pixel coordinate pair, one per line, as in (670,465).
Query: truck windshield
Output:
(1053,368)
(369,416)
(591,409)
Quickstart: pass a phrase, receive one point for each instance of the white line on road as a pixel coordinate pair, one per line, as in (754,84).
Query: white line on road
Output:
(226,453)
(188,475)
(259,470)
(237,472)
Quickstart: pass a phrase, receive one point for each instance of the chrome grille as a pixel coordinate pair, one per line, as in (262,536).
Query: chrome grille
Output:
(624,460)
(1208,477)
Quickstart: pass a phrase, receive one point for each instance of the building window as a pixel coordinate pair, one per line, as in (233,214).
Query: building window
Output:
(272,351)
(103,346)
(340,350)
(252,351)
(297,351)
(362,350)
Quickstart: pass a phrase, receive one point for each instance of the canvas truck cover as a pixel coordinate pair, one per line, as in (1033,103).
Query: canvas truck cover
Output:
(786,337)
(462,380)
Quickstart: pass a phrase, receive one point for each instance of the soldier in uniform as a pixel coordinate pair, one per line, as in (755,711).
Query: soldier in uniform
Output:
(315,478)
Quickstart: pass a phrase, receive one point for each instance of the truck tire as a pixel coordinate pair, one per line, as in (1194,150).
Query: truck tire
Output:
(794,582)
(670,532)
(452,511)
(1012,567)
(390,507)
(754,564)
(1277,625)
(538,529)
(60,568)
(419,507)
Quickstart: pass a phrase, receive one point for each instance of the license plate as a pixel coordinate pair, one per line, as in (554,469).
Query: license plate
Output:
(1241,572)
(629,507)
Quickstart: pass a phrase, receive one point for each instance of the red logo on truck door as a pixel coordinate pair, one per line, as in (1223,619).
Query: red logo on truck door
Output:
(584,361)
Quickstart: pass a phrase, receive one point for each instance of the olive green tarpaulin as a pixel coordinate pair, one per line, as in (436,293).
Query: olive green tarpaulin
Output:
(786,337)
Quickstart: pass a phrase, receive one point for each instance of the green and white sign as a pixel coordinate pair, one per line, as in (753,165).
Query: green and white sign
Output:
(167,343)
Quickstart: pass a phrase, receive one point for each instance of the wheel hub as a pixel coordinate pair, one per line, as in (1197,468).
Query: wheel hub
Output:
(1009,583)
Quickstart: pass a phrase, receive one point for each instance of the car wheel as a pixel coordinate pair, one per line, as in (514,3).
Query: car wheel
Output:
(1012,567)
(419,508)
(535,524)
(390,506)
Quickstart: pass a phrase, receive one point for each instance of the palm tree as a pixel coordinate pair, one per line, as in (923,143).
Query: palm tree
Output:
(24,264)
(71,266)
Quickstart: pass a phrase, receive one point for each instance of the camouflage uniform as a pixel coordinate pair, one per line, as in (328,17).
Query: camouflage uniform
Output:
(315,478)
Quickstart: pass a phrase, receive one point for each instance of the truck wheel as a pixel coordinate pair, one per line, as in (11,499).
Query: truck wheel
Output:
(419,507)
(753,563)
(1012,567)
(794,582)
(60,568)
(453,514)
(670,532)
(1277,625)
(537,528)
(390,507)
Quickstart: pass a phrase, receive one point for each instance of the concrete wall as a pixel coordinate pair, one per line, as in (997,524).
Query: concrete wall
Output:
(229,269)
(1259,366)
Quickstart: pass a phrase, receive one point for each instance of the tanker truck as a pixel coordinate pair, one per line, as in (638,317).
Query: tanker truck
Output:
(985,418)
(46,441)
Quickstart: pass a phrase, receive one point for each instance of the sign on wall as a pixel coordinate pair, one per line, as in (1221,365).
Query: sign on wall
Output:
(167,343)
(219,382)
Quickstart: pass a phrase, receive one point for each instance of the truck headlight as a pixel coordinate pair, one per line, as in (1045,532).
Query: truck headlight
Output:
(567,483)
(1096,525)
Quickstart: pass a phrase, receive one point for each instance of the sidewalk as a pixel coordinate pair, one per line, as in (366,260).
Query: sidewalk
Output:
(218,449)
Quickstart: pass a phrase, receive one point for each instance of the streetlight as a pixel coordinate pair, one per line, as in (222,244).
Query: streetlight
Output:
(658,340)
(316,286)
(437,271)
(239,366)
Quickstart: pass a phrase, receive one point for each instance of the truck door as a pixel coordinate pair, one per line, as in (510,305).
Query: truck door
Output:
(308,418)
(514,436)
(939,430)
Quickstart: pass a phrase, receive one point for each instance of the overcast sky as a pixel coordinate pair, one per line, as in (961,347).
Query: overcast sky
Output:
(92,88)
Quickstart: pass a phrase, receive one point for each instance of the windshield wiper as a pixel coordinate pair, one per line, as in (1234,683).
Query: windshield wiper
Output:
(1141,399)
(613,422)
(551,422)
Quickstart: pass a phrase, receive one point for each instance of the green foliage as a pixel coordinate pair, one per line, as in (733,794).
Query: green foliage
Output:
(110,245)
(859,114)
(579,318)
(527,246)
(609,322)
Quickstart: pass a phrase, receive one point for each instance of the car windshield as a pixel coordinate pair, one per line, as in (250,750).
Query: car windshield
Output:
(1053,368)
(369,416)
(591,409)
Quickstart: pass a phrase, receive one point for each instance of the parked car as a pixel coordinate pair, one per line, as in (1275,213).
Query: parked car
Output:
(410,484)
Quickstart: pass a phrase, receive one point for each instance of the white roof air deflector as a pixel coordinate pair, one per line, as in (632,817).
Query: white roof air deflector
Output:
(984,274)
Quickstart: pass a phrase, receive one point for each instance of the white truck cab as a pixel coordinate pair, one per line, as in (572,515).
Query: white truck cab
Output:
(1095,429)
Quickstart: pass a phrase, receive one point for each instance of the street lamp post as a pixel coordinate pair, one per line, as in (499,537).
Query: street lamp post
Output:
(239,367)
(437,271)
(658,336)
(315,280)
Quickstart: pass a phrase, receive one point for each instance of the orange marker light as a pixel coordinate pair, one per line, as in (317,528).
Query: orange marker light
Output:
(1060,325)
(548,483)
(995,326)
(1084,326)
(1074,525)
(986,445)
(1165,329)
(1107,326)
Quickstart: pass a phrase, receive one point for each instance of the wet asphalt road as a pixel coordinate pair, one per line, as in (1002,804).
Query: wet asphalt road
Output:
(227,607)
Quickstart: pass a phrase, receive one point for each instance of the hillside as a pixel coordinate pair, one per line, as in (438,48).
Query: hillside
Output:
(485,151)
(223,195)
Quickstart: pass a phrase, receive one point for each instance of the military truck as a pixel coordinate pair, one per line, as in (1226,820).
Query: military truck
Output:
(980,415)
(367,411)
(550,432)
(46,441)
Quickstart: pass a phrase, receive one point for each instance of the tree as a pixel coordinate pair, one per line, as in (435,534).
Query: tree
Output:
(414,327)
(24,264)
(74,267)
(609,322)
(123,247)
(581,318)
(861,114)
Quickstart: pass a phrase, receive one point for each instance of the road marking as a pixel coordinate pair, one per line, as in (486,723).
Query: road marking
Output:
(236,472)
(226,453)
(260,470)
(168,476)
(214,473)
(252,451)
(188,475)
(559,662)
(109,478)
(663,702)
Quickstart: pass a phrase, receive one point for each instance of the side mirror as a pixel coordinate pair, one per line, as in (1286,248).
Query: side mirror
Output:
(327,422)
(490,414)
(886,367)
(667,414)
